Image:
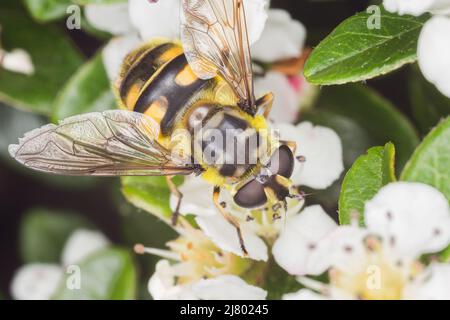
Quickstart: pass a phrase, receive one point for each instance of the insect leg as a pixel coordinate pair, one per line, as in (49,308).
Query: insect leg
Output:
(229,218)
(174,190)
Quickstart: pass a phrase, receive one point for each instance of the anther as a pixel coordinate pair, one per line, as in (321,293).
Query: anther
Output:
(301,159)
(139,248)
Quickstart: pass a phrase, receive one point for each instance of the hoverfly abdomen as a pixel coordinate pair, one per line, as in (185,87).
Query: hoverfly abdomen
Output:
(158,82)
(140,66)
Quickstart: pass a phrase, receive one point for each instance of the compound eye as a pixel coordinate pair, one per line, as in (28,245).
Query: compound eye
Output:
(282,162)
(251,195)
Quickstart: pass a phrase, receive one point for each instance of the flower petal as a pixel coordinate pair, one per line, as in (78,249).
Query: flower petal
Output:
(433,52)
(286,105)
(413,218)
(224,235)
(322,149)
(81,244)
(36,281)
(344,249)
(197,198)
(162,286)
(303,294)
(433,285)
(417,7)
(153,20)
(17,60)
(112,18)
(256,17)
(294,249)
(282,38)
(227,287)
(115,51)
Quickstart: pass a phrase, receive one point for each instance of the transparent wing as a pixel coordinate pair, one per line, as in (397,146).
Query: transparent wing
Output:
(111,143)
(215,41)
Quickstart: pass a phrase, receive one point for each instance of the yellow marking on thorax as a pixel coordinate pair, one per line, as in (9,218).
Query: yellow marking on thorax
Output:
(185,77)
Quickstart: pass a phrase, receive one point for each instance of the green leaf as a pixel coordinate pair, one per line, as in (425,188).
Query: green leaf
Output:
(429,106)
(368,174)
(47,10)
(445,255)
(106,275)
(150,194)
(430,162)
(382,122)
(54,57)
(88,90)
(43,234)
(278,281)
(353,52)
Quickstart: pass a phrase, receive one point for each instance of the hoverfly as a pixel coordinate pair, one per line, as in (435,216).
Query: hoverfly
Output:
(164,86)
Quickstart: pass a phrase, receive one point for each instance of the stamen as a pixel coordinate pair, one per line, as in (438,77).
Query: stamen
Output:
(313,284)
(166,254)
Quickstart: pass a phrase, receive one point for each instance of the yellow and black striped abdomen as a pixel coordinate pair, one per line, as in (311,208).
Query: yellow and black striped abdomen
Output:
(157,80)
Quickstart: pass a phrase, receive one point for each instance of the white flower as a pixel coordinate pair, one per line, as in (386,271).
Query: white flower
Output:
(81,244)
(282,38)
(197,200)
(417,7)
(226,287)
(199,269)
(115,51)
(381,261)
(18,60)
(286,104)
(38,281)
(155,20)
(223,234)
(293,249)
(112,18)
(321,150)
(433,52)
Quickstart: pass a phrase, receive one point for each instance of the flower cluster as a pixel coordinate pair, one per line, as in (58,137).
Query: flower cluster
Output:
(384,259)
